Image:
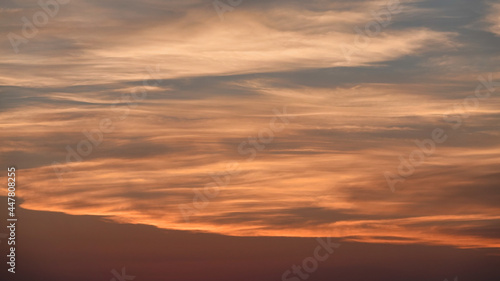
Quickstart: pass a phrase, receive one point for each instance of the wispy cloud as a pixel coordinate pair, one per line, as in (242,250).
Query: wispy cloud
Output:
(319,177)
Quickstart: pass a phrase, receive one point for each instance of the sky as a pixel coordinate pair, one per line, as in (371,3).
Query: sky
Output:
(375,123)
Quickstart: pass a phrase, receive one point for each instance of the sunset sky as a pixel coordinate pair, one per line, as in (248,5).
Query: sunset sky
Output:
(280,121)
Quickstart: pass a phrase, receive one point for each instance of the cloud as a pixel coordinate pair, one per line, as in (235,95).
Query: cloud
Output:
(322,175)
(120,41)
(493,18)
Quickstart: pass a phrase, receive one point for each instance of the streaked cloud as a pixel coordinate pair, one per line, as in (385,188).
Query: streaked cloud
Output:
(322,175)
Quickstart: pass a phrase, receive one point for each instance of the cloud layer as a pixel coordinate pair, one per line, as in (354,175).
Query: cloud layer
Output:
(182,94)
